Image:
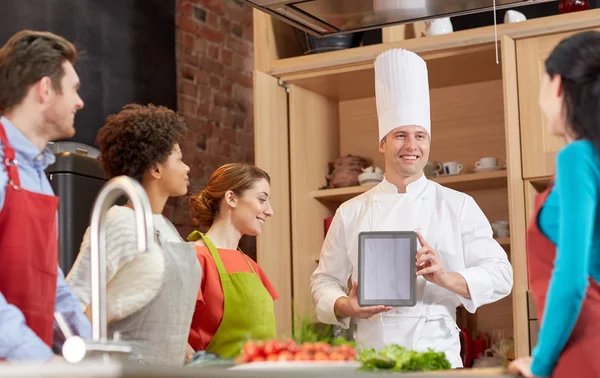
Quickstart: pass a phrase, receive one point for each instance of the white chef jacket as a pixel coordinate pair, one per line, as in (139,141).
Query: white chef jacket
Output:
(453,225)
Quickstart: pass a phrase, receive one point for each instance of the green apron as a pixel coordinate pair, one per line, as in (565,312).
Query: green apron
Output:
(248,310)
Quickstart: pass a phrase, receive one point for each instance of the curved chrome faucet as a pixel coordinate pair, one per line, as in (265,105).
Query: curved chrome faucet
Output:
(110,192)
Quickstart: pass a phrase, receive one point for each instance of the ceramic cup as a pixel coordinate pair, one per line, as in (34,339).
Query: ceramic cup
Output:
(513,16)
(433,169)
(452,168)
(487,162)
(500,229)
(438,26)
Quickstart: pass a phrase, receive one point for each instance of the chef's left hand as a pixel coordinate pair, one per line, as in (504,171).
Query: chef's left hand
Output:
(521,366)
(429,263)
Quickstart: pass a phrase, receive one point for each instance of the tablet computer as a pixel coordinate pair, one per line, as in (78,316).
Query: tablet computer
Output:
(386,268)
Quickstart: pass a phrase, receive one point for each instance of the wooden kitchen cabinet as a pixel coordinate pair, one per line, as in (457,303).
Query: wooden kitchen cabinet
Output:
(310,110)
(539,146)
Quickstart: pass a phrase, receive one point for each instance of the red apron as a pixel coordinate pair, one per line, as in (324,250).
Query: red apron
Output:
(28,249)
(579,358)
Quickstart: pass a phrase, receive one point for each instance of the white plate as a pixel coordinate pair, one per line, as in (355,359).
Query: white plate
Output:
(299,366)
(492,169)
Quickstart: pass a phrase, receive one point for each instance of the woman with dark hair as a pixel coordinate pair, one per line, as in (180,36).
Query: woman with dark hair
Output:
(151,295)
(235,301)
(563,239)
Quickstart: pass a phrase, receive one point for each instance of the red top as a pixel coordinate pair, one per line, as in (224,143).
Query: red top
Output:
(209,304)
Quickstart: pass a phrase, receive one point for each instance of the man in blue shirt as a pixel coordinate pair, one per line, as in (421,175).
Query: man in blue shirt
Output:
(38,101)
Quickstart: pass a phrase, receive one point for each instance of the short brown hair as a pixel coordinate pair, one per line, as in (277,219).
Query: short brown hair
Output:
(137,137)
(26,58)
(237,177)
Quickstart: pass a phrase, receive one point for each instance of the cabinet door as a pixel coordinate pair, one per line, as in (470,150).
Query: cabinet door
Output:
(539,147)
(271,152)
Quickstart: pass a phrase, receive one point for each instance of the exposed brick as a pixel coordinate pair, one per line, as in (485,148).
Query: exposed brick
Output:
(186,24)
(214,73)
(226,57)
(228,135)
(188,105)
(217,6)
(216,114)
(205,95)
(211,35)
(213,51)
(243,78)
(249,32)
(225,149)
(245,139)
(198,46)
(213,20)
(188,88)
(199,14)
(187,72)
(215,81)
(237,30)
(226,86)
(221,100)
(188,58)
(237,45)
(201,77)
(187,41)
(225,24)
(212,66)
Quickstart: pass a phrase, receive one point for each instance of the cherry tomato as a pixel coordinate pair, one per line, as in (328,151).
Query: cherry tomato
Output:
(252,349)
(302,357)
(272,347)
(322,347)
(336,356)
(308,348)
(286,356)
(290,346)
(347,350)
(321,356)
(258,359)
(273,357)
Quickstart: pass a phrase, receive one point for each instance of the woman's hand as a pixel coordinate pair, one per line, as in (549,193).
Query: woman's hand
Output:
(521,366)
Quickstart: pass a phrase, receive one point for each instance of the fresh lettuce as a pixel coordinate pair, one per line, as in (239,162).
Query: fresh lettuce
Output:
(396,358)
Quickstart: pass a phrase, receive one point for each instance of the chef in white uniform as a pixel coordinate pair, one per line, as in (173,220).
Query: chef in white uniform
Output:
(458,261)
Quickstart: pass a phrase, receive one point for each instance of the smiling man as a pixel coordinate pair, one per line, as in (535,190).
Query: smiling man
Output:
(38,101)
(458,261)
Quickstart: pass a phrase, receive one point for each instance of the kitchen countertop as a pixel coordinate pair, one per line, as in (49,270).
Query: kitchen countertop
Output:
(114,370)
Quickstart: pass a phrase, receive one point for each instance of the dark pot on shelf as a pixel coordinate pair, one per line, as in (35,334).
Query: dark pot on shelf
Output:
(314,45)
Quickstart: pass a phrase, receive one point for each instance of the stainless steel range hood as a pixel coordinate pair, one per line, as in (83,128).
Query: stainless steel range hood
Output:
(329,17)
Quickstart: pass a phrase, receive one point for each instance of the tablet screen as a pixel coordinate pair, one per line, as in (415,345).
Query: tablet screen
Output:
(387,271)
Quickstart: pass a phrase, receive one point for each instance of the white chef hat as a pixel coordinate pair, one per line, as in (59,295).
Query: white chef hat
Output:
(401,91)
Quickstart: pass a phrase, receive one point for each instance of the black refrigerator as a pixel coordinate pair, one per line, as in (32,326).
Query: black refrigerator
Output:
(76,179)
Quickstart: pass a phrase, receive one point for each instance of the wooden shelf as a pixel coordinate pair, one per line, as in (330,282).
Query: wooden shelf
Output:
(462,182)
(469,65)
(504,242)
(435,46)
(540,183)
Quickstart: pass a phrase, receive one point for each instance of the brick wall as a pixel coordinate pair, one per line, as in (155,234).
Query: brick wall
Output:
(214,81)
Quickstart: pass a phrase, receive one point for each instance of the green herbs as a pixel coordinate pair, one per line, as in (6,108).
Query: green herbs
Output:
(396,358)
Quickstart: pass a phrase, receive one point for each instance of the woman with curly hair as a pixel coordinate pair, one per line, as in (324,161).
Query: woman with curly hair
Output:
(151,295)
(235,301)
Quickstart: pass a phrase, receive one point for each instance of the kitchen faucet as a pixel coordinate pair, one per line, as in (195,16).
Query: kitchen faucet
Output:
(75,348)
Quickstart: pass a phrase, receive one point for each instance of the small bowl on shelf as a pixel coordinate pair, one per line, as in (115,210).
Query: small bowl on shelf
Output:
(370,178)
